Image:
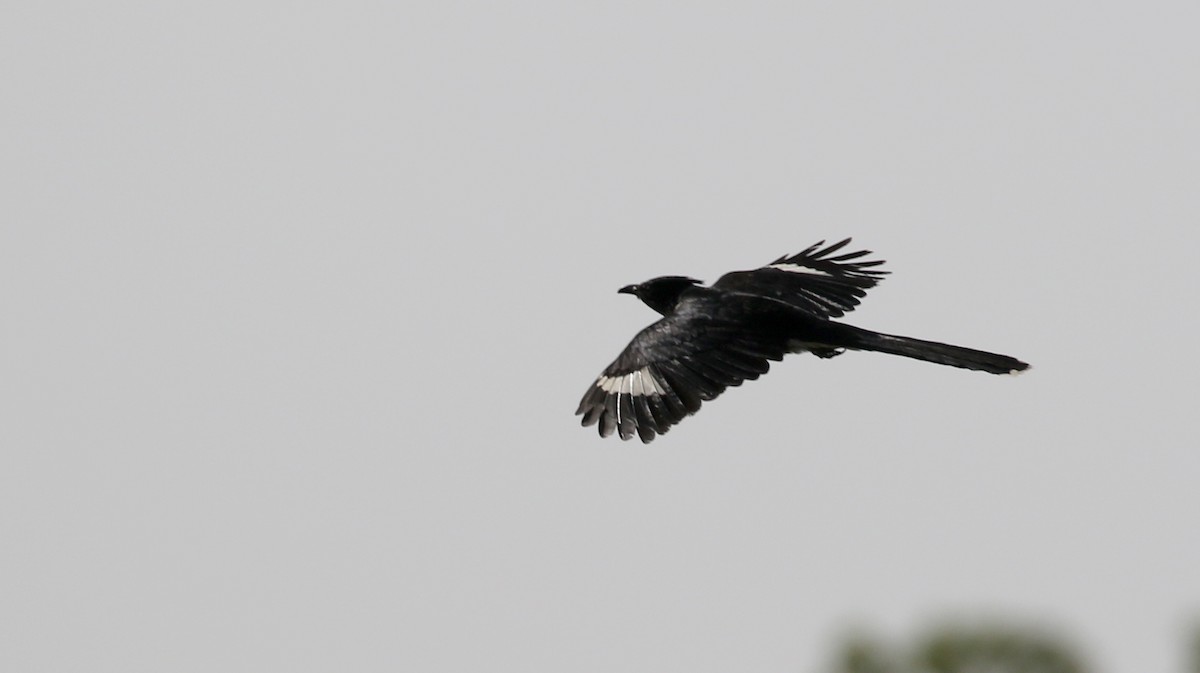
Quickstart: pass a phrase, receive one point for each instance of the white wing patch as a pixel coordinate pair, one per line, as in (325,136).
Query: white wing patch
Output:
(640,382)
(796,268)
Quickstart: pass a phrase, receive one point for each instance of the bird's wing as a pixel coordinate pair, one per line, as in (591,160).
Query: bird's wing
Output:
(674,365)
(813,280)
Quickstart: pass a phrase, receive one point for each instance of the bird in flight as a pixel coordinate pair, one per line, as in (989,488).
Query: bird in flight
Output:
(711,338)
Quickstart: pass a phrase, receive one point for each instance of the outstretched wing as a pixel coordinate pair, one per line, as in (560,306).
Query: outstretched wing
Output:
(674,365)
(812,280)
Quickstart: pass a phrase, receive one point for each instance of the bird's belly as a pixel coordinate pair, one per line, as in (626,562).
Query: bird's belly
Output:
(820,350)
(799,346)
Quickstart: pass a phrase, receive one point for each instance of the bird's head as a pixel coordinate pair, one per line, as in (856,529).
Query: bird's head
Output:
(662,293)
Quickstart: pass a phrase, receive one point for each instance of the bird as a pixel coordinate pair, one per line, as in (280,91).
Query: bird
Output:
(715,337)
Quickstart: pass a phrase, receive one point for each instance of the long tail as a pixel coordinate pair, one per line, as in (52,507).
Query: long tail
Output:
(932,351)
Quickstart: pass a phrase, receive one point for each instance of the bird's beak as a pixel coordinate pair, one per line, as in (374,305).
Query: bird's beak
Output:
(628,289)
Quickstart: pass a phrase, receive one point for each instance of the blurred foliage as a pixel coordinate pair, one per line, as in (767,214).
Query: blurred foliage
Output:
(1194,650)
(954,649)
(860,654)
(977,649)
(996,651)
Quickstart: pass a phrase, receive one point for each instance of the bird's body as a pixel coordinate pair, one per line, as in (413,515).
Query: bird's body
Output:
(711,338)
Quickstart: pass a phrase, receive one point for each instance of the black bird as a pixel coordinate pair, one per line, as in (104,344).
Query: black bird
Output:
(711,338)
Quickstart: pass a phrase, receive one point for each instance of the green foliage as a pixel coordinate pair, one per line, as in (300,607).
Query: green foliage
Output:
(862,655)
(955,649)
(1194,654)
(995,650)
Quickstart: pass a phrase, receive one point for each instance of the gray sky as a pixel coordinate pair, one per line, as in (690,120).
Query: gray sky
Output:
(299,300)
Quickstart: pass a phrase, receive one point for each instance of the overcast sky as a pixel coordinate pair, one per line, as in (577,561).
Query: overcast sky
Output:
(299,299)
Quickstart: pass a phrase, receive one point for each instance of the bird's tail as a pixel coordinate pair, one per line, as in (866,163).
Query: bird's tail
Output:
(932,351)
